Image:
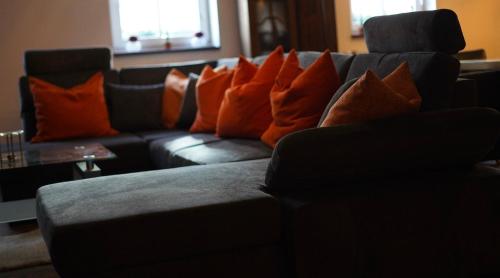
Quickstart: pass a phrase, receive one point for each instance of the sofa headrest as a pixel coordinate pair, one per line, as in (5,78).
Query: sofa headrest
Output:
(434,31)
(44,62)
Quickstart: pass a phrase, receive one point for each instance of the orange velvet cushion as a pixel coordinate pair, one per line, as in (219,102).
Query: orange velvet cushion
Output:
(175,89)
(371,98)
(79,111)
(246,108)
(299,96)
(210,90)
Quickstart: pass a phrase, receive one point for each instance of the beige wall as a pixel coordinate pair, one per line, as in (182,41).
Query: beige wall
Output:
(45,24)
(480,23)
(343,16)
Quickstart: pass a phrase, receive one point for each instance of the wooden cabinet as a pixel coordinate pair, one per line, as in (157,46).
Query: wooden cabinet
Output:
(300,24)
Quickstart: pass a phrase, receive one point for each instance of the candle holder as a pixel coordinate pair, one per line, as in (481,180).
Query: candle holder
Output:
(11,146)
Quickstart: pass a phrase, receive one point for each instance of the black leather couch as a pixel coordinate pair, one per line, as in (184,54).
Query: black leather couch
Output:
(399,197)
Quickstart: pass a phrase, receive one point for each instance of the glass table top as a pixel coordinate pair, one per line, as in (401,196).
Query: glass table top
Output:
(55,155)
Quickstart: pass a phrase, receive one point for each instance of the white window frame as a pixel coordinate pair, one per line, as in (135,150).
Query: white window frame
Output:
(209,20)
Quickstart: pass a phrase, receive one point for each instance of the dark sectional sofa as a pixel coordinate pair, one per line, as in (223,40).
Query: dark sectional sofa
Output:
(400,197)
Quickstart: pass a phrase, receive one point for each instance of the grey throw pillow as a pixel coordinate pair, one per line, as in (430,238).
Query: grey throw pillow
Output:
(189,106)
(135,107)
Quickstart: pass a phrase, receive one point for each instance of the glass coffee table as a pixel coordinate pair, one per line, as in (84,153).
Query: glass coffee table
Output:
(83,158)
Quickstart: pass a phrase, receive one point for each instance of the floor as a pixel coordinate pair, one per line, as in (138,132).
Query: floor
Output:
(23,252)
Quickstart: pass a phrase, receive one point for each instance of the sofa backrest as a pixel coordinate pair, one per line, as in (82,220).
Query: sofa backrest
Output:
(157,74)
(62,67)
(306,58)
(426,40)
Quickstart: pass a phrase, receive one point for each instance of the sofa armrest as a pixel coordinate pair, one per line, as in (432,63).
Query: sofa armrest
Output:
(464,93)
(333,156)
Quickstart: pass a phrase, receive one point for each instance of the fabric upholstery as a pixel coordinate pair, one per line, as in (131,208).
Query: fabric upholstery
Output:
(62,61)
(210,91)
(434,73)
(464,93)
(342,61)
(341,90)
(157,74)
(65,68)
(436,31)
(228,62)
(263,261)
(487,84)
(76,112)
(371,98)
(434,225)
(188,106)
(375,150)
(176,84)
(245,111)
(194,211)
(221,151)
(162,149)
(152,135)
(299,95)
(135,107)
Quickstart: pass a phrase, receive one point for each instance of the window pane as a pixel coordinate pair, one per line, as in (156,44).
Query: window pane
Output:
(150,19)
(139,18)
(180,18)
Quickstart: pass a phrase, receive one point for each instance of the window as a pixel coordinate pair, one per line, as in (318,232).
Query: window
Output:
(361,10)
(158,24)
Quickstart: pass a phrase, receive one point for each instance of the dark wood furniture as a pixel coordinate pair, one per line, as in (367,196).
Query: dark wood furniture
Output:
(300,24)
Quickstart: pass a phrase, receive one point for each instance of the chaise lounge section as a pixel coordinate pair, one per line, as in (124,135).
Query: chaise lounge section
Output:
(399,197)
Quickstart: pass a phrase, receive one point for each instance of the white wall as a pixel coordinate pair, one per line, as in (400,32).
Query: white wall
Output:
(46,24)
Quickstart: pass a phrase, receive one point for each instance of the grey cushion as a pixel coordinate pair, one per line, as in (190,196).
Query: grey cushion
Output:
(259,60)
(228,62)
(437,30)
(157,74)
(131,151)
(346,154)
(227,150)
(166,134)
(161,150)
(434,73)
(37,62)
(135,107)
(342,61)
(188,106)
(151,217)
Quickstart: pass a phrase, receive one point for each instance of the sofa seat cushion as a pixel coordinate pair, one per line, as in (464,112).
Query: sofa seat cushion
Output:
(152,217)
(167,134)
(222,151)
(162,149)
(131,152)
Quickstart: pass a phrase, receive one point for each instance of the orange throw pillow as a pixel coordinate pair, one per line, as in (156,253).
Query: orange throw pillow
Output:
(246,108)
(210,90)
(79,111)
(371,98)
(299,96)
(175,89)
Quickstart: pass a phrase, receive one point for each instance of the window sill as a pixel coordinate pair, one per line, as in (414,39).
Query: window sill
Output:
(146,51)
